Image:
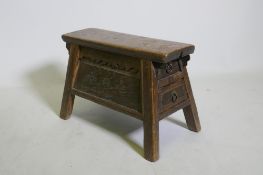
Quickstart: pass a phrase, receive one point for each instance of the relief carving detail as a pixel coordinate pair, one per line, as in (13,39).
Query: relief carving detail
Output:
(112,65)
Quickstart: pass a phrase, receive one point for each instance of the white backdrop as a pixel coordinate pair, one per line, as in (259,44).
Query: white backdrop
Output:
(227,34)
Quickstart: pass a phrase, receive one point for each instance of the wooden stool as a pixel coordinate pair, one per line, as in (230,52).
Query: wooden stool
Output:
(143,77)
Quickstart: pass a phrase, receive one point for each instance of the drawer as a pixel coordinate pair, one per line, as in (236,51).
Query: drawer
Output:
(166,69)
(174,78)
(171,96)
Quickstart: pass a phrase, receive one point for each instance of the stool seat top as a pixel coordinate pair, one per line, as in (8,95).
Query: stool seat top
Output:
(131,45)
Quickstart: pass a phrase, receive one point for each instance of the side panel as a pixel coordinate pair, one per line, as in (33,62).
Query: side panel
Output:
(111,77)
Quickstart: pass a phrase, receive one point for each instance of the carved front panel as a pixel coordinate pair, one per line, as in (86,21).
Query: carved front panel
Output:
(109,76)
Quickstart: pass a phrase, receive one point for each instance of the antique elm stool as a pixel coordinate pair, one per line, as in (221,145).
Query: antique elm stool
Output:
(143,77)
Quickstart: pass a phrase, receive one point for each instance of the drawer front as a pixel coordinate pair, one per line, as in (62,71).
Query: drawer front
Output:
(166,69)
(174,78)
(107,76)
(171,96)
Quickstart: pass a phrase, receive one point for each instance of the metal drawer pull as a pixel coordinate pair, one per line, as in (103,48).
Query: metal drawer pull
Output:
(169,68)
(174,96)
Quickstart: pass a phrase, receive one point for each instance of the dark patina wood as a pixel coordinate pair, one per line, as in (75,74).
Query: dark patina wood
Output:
(150,116)
(132,45)
(68,96)
(143,77)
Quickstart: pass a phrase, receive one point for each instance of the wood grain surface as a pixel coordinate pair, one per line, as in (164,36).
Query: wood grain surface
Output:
(140,47)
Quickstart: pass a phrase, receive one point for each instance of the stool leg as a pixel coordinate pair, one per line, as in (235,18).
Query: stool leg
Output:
(150,118)
(190,111)
(151,140)
(68,97)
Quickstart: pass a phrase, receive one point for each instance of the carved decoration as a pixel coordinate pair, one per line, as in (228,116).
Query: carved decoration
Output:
(112,65)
